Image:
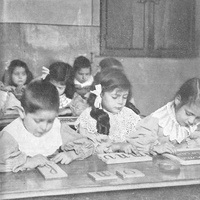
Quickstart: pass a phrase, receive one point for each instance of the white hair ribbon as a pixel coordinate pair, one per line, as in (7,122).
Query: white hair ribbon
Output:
(97,92)
(45,72)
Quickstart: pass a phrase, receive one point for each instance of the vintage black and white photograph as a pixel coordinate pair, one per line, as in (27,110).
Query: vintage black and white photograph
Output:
(100,99)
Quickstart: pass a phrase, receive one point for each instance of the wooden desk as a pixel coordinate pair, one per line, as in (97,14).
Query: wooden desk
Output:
(155,184)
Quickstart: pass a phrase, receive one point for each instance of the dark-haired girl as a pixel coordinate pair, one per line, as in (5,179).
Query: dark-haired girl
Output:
(17,77)
(107,122)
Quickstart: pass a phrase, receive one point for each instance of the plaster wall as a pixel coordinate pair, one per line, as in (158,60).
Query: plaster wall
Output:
(42,31)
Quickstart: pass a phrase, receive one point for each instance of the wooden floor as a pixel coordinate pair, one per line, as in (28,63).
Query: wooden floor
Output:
(156,184)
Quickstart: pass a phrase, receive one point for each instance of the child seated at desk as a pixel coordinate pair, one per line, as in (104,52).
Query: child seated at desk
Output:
(58,74)
(82,75)
(113,63)
(16,78)
(27,141)
(107,122)
(173,125)
(79,87)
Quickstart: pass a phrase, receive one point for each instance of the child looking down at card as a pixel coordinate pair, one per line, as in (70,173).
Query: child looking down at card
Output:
(113,63)
(27,141)
(78,87)
(58,74)
(173,125)
(107,122)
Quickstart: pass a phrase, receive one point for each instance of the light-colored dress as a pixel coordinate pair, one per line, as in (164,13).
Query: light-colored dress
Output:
(160,127)
(32,145)
(16,143)
(122,127)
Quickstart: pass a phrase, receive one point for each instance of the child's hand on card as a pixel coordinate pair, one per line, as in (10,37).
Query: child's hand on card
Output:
(165,148)
(63,158)
(35,161)
(128,148)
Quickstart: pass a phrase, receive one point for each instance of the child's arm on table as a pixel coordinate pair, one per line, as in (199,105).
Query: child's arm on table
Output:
(11,158)
(75,146)
(146,138)
(194,140)
(124,147)
(103,144)
(35,161)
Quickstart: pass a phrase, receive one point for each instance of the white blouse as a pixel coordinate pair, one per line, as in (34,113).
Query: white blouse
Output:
(122,125)
(167,120)
(32,145)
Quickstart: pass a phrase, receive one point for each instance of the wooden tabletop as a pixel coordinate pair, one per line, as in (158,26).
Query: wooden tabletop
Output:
(32,184)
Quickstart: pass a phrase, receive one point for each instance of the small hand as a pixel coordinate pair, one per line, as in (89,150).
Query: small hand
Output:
(63,158)
(35,161)
(128,148)
(165,148)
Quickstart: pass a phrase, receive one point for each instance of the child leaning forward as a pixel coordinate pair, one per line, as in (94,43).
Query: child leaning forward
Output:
(37,134)
(108,122)
(174,125)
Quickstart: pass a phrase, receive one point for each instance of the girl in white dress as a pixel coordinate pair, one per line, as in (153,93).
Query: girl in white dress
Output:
(107,122)
(175,125)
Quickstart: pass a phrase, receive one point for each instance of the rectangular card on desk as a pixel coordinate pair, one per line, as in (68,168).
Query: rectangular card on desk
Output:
(129,173)
(185,157)
(52,172)
(113,158)
(102,176)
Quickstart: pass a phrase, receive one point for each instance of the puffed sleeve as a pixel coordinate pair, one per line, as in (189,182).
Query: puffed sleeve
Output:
(11,157)
(73,141)
(146,134)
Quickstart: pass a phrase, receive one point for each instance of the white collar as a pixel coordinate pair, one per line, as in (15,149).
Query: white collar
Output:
(171,128)
(85,84)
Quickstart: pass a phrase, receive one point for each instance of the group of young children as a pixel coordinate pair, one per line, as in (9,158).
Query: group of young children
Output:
(108,120)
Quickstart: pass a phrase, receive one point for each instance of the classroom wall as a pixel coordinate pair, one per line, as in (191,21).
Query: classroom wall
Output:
(42,31)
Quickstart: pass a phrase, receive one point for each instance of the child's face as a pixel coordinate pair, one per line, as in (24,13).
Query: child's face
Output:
(83,75)
(187,115)
(40,122)
(19,76)
(60,87)
(114,101)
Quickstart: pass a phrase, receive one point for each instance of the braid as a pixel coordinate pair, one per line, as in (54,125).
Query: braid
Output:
(109,79)
(103,120)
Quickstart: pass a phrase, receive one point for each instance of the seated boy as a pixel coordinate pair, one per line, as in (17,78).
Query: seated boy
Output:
(37,134)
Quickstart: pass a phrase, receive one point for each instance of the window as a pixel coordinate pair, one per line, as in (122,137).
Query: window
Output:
(148,28)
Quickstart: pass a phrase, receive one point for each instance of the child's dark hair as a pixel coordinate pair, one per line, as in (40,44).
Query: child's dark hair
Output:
(40,95)
(81,62)
(11,67)
(59,72)
(189,92)
(110,63)
(109,79)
